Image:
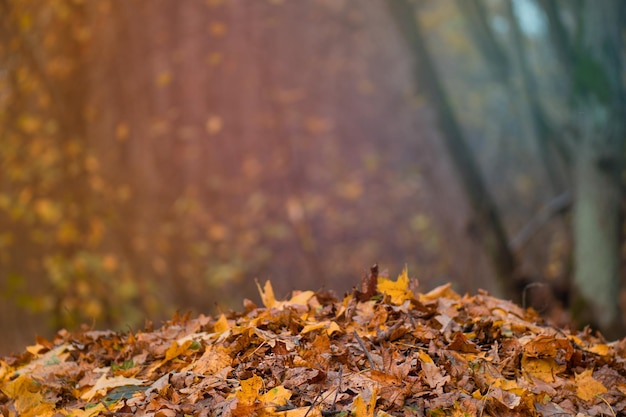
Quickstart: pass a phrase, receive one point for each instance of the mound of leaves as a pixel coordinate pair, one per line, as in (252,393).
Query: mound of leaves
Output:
(380,351)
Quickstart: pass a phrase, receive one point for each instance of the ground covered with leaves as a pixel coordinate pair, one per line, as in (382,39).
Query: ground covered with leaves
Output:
(383,350)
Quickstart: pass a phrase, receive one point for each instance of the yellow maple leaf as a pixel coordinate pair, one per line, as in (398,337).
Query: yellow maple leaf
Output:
(267,294)
(364,408)
(96,410)
(221,325)
(176,350)
(398,290)
(299,412)
(29,401)
(424,357)
(5,371)
(249,391)
(542,368)
(275,397)
(510,385)
(587,388)
(330,327)
(250,399)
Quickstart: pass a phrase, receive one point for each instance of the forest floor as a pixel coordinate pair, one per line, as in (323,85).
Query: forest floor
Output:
(383,350)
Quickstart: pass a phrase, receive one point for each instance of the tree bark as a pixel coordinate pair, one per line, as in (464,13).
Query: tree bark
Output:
(540,129)
(599,93)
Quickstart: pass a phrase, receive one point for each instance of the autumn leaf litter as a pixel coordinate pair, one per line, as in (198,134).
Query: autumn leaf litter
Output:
(383,350)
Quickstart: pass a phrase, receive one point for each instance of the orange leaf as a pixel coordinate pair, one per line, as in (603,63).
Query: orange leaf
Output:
(221,325)
(600,349)
(249,391)
(176,350)
(363,408)
(299,412)
(329,326)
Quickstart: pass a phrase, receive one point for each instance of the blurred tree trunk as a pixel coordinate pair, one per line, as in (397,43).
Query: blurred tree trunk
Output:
(552,152)
(540,128)
(597,222)
(595,156)
(53,69)
(597,150)
(476,16)
(490,229)
(599,163)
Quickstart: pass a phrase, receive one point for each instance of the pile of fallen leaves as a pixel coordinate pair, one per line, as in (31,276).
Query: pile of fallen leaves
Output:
(381,351)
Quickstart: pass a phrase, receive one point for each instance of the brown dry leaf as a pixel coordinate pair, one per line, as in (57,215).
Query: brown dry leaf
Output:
(214,360)
(432,374)
(506,398)
(548,346)
(460,343)
(444,291)
(369,284)
(363,355)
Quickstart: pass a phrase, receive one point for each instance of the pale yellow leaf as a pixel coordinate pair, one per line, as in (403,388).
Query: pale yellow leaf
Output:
(105,384)
(267,294)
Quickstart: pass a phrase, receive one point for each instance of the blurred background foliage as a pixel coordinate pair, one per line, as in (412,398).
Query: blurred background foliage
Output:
(160,155)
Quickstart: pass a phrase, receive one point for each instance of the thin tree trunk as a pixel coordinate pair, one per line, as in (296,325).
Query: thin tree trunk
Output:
(493,235)
(540,128)
(475,15)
